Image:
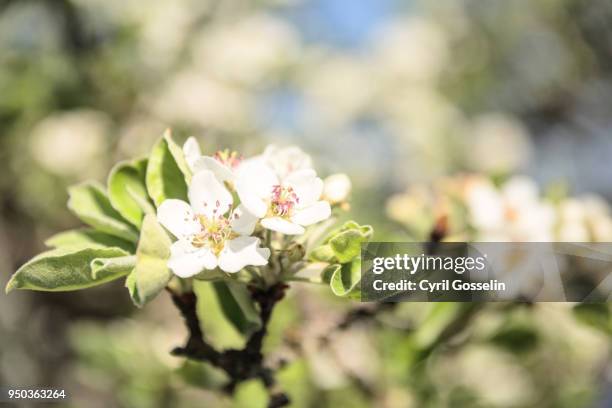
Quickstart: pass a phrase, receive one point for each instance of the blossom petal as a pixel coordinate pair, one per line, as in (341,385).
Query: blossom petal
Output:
(221,171)
(282,225)
(240,252)
(192,152)
(286,160)
(520,191)
(251,201)
(187,260)
(208,196)
(243,222)
(257,176)
(178,218)
(312,214)
(306,185)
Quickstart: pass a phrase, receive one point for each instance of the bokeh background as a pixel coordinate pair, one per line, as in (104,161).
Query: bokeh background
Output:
(394,93)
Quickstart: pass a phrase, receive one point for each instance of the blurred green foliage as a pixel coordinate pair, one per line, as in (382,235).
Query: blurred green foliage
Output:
(432,88)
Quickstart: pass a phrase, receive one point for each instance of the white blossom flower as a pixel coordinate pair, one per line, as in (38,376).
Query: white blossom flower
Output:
(584,219)
(513,213)
(286,199)
(223,163)
(210,232)
(285,160)
(336,188)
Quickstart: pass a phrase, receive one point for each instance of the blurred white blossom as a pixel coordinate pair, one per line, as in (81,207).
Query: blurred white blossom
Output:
(248,50)
(196,98)
(584,219)
(411,48)
(337,87)
(513,212)
(336,188)
(70,143)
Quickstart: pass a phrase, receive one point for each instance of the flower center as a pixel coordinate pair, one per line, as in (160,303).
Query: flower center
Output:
(284,199)
(216,230)
(229,158)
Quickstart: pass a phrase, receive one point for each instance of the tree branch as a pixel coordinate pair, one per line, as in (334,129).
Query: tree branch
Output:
(239,365)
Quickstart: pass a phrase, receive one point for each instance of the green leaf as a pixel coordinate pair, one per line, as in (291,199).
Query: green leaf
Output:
(127,191)
(344,279)
(101,267)
(179,156)
(238,306)
(220,332)
(89,202)
(444,319)
(151,273)
(88,237)
(344,244)
(164,178)
(65,269)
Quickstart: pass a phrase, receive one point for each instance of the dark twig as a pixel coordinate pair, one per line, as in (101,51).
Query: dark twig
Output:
(239,365)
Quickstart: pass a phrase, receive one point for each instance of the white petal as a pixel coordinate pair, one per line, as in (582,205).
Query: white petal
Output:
(257,176)
(241,252)
(198,165)
(282,225)
(192,152)
(270,151)
(485,205)
(520,190)
(221,171)
(286,160)
(187,260)
(178,218)
(306,185)
(312,214)
(243,222)
(253,202)
(208,196)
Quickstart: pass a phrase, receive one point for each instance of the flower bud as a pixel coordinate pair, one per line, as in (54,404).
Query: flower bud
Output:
(336,188)
(295,252)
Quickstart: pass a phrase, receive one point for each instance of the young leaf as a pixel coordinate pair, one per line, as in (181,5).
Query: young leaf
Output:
(347,243)
(220,332)
(65,269)
(344,244)
(179,156)
(151,273)
(89,202)
(88,237)
(164,178)
(101,267)
(238,306)
(127,191)
(344,279)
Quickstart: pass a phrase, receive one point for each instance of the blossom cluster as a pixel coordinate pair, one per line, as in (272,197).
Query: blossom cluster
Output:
(473,207)
(232,199)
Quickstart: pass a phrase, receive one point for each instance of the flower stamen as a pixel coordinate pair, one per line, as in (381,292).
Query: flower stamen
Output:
(216,230)
(283,200)
(229,158)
